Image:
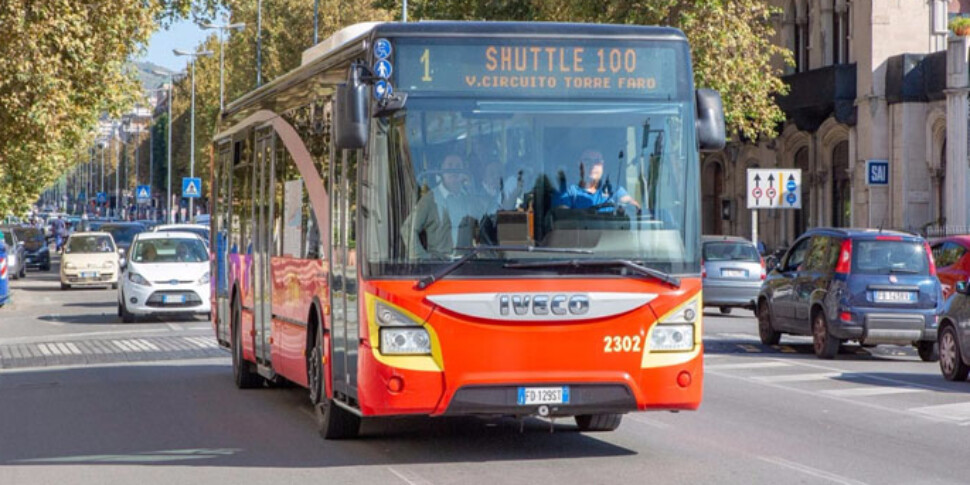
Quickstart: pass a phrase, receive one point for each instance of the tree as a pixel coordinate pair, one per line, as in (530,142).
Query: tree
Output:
(730,42)
(61,65)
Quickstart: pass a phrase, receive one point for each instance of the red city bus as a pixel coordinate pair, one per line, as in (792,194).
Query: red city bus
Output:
(468,219)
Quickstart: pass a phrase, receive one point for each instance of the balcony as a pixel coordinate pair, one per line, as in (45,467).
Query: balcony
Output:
(818,93)
(916,78)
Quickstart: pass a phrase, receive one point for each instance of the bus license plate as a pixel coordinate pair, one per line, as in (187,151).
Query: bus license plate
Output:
(734,273)
(543,395)
(173,299)
(895,296)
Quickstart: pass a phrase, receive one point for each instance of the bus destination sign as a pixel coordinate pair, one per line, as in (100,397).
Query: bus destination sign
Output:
(619,70)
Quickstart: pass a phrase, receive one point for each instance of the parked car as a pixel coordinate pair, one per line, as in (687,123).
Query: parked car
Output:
(198,229)
(872,286)
(16,254)
(36,250)
(4,270)
(952,261)
(166,273)
(123,232)
(954,336)
(732,272)
(89,259)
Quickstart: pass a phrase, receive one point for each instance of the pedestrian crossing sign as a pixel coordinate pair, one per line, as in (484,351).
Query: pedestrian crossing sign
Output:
(143,193)
(191,187)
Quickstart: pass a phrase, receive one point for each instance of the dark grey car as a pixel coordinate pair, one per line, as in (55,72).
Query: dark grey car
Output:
(16,254)
(732,272)
(954,334)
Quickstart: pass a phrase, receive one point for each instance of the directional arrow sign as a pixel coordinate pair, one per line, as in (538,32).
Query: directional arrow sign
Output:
(782,190)
(191,187)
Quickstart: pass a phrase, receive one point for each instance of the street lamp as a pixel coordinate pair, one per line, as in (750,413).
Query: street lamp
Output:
(169,217)
(222,28)
(194,56)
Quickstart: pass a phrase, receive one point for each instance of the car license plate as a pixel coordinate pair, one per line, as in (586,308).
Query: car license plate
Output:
(89,274)
(734,273)
(173,299)
(895,296)
(543,395)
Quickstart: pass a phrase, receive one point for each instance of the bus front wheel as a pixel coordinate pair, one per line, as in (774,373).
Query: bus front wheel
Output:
(242,371)
(333,421)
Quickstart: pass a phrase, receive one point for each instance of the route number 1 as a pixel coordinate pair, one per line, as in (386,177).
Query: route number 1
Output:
(426,60)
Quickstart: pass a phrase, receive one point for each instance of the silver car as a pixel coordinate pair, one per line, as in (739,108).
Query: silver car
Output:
(732,272)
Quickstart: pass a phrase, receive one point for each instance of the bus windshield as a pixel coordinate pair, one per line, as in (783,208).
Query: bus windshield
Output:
(617,180)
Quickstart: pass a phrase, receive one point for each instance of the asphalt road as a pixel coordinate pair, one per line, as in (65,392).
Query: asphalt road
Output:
(153,403)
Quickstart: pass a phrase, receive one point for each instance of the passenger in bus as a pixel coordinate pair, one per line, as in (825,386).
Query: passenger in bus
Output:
(499,191)
(593,191)
(444,217)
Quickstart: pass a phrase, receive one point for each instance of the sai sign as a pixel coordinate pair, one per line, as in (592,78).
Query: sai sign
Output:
(774,188)
(191,187)
(877,172)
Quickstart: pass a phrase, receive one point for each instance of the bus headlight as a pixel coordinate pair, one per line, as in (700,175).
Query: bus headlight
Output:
(672,337)
(388,316)
(405,341)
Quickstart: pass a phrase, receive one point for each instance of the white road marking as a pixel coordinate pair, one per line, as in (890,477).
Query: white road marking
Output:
(73,348)
(414,479)
(864,375)
(815,472)
(43,349)
(959,411)
(799,377)
(871,391)
(202,342)
(54,349)
(145,344)
(174,327)
(746,365)
(124,345)
(64,348)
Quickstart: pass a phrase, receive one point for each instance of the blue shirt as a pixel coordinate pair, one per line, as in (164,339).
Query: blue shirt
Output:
(576,197)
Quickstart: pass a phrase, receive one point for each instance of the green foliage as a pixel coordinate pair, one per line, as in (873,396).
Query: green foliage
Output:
(61,65)
(960,24)
(730,42)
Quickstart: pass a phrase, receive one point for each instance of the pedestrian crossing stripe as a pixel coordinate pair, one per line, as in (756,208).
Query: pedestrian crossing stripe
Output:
(191,189)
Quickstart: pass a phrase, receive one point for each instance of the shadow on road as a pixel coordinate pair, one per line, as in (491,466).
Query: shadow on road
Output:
(186,415)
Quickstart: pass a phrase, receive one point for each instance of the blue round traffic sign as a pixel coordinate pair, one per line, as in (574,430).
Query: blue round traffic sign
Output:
(383,69)
(382,89)
(791,185)
(791,198)
(382,48)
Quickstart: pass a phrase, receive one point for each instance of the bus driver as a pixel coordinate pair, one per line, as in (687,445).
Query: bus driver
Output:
(593,192)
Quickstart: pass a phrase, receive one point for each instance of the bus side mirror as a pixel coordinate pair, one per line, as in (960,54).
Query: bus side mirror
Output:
(350,120)
(710,120)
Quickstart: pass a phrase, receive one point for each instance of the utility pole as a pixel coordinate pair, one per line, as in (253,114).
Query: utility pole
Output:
(195,56)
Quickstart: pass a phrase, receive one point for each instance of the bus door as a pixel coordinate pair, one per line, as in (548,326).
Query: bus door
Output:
(262,238)
(220,234)
(345,332)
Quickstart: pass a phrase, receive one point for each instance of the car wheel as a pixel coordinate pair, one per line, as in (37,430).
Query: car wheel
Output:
(126,316)
(951,358)
(46,267)
(114,286)
(726,310)
(242,371)
(929,351)
(23,271)
(825,345)
(767,333)
(65,286)
(598,422)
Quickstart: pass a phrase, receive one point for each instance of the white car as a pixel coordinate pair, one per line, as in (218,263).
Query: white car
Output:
(89,259)
(166,273)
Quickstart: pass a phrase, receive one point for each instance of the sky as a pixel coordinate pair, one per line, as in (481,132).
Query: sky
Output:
(183,35)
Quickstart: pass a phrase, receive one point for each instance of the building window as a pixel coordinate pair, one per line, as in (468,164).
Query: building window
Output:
(840,32)
(841,186)
(803,26)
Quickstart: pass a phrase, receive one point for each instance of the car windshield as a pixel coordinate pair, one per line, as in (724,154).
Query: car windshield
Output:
(615,179)
(203,233)
(169,250)
(889,256)
(7,237)
(30,234)
(730,251)
(123,234)
(89,244)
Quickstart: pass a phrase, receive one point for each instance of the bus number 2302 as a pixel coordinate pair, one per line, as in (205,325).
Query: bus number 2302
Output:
(625,343)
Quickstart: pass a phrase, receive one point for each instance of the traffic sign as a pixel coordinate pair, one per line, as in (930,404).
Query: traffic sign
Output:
(102,197)
(143,193)
(877,172)
(383,69)
(774,188)
(191,187)
(382,48)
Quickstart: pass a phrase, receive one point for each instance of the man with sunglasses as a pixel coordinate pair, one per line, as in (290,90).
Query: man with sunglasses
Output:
(592,192)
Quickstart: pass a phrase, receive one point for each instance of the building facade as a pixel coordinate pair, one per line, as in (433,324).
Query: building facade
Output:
(880,80)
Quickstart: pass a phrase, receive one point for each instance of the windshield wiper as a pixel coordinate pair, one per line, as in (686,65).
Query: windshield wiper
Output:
(580,263)
(475,250)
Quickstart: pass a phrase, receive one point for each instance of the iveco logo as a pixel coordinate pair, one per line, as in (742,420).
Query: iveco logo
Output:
(543,304)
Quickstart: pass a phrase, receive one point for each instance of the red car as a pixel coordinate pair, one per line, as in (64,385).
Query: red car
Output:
(952,256)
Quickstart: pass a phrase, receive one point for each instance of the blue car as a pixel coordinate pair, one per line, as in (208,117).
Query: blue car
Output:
(4,279)
(871,286)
